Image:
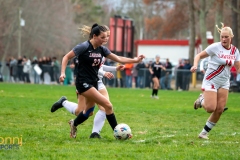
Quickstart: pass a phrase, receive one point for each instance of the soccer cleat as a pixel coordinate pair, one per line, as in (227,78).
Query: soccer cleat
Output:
(130,136)
(225,108)
(58,104)
(73,129)
(203,135)
(95,135)
(197,103)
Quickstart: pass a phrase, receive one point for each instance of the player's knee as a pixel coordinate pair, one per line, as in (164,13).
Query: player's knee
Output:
(219,110)
(108,107)
(210,110)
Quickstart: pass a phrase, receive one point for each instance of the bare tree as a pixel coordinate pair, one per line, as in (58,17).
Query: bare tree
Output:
(218,18)
(49,28)
(8,25)
(235,22)
(203,11)
(192,30)
(235,5)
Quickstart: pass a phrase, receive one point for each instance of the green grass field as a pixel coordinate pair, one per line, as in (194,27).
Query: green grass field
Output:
(162,129)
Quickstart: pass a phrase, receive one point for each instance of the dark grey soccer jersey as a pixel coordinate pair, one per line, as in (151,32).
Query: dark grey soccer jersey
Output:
(89,61)
(156,69)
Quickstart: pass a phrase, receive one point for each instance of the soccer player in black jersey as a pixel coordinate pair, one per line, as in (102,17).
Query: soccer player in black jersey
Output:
(90,54)
(74,108)
(155,70)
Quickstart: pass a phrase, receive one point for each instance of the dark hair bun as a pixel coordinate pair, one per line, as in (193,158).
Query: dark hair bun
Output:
(94,25)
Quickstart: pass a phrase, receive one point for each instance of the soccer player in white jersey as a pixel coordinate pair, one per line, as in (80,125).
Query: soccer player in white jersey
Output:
(203,67)
(222,56)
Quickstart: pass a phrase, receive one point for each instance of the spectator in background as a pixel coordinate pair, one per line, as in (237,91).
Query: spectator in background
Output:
(14,69)
(135,75)
(233,74)
(179,75)
(43,65)
(163,79)
(140,67)
(26,69)
(14,66)
(168,67)
(73,66)
(128,75)
(186,75)
(119,81)
(56,69)
(40,63)
(20,69)
(238,81)
(36,76)
(148,75)
(68,72)
(9,68)
(50,68)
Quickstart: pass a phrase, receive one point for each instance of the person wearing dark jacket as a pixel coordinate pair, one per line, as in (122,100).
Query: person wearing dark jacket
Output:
(186,74)
(168,67)
(140,80)
(179,76)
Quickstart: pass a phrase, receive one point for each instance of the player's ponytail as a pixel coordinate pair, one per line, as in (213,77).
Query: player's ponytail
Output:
(226,28)
(85,30)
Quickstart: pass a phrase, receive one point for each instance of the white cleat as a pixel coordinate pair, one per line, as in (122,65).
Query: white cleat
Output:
(203,135)
(156,97)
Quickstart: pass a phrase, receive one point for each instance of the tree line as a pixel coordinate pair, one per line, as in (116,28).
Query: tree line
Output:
(51,26)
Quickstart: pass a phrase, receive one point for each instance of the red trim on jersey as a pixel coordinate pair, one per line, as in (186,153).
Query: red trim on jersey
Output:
(226,48)
(233,50)
(219,70)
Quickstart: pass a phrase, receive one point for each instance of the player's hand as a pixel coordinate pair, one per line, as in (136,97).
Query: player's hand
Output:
(120,68)
(72,66)
(140,58)
(193,69)
(203,71)
(109,75)
(62,77)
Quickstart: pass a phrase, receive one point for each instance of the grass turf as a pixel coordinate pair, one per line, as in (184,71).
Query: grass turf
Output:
(162,129)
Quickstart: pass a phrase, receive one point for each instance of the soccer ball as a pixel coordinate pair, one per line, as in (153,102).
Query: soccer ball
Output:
(122,132)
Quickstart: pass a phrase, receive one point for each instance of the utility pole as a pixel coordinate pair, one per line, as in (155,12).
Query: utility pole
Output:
(19,32)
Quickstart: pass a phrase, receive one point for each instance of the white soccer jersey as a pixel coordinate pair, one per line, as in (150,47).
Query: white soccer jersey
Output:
(103,69)
(220,62)
(204,64)
(100,71)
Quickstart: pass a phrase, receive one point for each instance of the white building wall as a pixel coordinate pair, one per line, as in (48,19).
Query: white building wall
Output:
(173,53)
